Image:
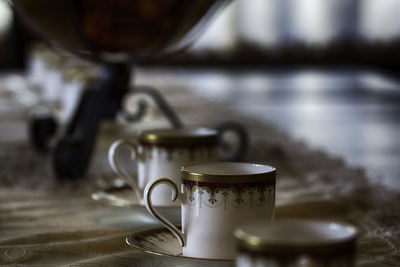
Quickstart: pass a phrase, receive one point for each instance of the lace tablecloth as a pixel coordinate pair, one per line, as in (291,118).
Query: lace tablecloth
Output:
(46,222)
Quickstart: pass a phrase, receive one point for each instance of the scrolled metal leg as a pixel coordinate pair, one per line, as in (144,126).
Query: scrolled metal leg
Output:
(72,154)
(161,102)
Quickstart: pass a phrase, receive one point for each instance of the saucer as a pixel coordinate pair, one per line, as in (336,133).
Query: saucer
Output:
(298,237)
(123,196)
(160,241)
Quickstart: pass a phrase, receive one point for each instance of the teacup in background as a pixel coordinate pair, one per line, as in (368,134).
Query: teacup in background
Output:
(297,243)
(162,152)
(216,198)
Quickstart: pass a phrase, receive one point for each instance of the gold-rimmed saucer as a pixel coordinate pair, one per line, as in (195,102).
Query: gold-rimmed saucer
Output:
(124,196)
(160,241)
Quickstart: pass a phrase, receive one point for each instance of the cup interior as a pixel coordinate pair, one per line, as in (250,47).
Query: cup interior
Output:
(228,168)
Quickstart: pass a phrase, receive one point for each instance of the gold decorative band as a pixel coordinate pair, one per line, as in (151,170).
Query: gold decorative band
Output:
(179,137)
(229,178)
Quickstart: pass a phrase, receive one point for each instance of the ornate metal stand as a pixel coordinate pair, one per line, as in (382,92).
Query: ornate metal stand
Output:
(103,100)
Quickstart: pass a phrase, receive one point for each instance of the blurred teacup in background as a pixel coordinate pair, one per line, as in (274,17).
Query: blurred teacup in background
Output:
(296,243)
(216,198)
(163,152)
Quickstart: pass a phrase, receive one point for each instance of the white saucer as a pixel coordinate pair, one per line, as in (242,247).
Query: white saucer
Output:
(123,196)
(160,241)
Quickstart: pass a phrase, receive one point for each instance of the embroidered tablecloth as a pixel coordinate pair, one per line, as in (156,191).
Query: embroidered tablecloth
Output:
(47,222)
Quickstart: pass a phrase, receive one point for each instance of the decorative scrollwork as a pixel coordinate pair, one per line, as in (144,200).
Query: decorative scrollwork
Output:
(230,197)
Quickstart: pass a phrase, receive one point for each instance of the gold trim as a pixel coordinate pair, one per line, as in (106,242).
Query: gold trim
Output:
(230,179)
(231,196)
(179,137)
(129,241)
(252,243)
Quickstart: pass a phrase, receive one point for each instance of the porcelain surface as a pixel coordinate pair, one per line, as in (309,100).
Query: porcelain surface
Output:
(155,161)
(213,205)
(160,241)
(297,243)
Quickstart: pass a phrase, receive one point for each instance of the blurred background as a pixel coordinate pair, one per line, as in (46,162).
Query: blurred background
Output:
(273,31)
(323,71)
(305,31)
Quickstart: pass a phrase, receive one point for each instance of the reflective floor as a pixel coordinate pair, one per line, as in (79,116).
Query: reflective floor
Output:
(354,114)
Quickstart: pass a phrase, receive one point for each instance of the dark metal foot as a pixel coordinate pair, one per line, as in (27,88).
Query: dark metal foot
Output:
(68,162)
(72,155)
(41,129)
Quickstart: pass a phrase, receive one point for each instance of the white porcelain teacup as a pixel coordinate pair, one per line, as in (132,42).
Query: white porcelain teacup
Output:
(163,152)
(215,198)
(297,243)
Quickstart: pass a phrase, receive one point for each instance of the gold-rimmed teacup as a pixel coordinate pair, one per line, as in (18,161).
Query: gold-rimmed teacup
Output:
(296,243)
(216,198)
(163,152)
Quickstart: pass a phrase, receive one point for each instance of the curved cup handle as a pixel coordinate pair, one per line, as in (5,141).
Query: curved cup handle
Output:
(149,206)
(241,135)
(113,152)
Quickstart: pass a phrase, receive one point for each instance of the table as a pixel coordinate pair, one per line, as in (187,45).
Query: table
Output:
(46,222)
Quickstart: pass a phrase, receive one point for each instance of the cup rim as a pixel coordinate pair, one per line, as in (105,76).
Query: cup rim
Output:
(252,243)
(187,136)
(269,174)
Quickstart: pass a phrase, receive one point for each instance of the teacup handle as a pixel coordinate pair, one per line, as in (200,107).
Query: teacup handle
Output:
(113,152)
(241,134)
(149,206)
